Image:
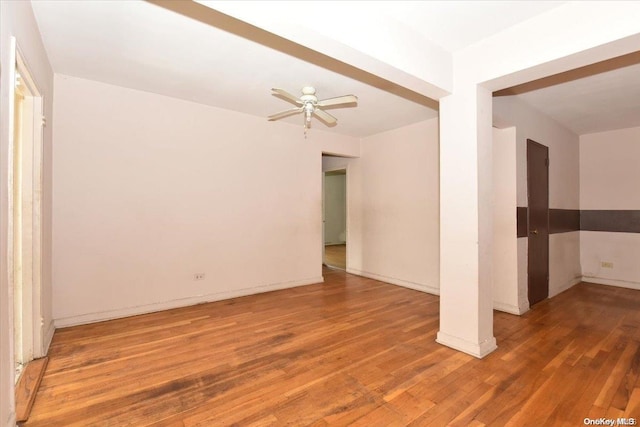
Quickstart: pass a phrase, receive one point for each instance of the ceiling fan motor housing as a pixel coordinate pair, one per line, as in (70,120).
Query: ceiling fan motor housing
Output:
(308,90)
(308,95)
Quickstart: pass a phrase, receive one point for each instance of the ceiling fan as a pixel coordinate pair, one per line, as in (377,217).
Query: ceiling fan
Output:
(309,104)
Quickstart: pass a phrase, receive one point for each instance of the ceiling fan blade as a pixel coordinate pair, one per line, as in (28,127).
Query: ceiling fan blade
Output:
(325,117)
(284,113)
(346,99)
(287,95)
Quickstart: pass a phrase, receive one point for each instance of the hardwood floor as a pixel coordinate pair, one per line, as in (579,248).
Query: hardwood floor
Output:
(28,386)
(336,256)
(352,351)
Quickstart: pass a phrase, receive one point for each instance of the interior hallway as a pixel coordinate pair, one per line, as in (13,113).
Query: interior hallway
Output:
(336,256)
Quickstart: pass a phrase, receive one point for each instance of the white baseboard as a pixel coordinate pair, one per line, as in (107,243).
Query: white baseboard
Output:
(183,302)
(48,336)
(510,308)
(399,282)
(611,282)
(565,286)
(478,350)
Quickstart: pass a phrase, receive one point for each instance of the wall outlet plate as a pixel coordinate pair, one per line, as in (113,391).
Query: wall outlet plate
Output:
(198,276)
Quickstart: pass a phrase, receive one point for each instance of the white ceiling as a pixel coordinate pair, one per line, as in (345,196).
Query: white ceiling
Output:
(454,25)
(600,102)
(140,45)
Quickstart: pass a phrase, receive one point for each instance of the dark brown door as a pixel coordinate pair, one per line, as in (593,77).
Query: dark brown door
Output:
(538,187)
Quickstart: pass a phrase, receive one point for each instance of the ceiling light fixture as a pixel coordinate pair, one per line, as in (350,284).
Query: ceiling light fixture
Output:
(308,104)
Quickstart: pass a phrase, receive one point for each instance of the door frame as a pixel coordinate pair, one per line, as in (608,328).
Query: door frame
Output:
(31,345)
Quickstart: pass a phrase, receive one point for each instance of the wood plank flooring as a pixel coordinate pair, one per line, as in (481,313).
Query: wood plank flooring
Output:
(351,351)
(336,256)
(27,387)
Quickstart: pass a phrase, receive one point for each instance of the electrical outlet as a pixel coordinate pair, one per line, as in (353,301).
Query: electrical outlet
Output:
(198,276)
(606,264)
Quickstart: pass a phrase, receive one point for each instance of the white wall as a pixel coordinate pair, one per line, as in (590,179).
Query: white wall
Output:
(564,188)
(335,209)
(609,172)
(505,243)
(149,190)
(17,20)
(609,177)
(393,216)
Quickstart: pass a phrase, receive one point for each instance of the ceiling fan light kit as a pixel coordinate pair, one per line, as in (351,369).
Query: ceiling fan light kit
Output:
(309,105)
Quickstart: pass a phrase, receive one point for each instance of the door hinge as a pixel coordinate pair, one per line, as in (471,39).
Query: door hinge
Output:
(546,162)
(44,121)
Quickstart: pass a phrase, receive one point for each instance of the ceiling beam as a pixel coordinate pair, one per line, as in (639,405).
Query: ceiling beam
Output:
(375,50)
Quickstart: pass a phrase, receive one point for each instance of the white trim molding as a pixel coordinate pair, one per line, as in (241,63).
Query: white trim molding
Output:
(183,302)
(611,282)
(48,337)
(568,284)
(398,282)
(478,350)
(510,308)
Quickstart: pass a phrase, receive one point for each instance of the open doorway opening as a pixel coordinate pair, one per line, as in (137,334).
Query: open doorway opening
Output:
(25,215)
(335,218)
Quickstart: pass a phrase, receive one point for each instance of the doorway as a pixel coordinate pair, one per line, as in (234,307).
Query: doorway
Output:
(538,221)
(334,217)
(25,215)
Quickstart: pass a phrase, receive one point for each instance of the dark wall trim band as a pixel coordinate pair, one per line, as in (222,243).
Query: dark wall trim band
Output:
(522,221)
(619,221)
(567,220)
(564,220)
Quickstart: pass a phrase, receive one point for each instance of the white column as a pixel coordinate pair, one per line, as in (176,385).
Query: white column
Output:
(466,232)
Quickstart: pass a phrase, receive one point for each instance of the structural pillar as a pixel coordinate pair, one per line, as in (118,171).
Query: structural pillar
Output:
(466,231)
